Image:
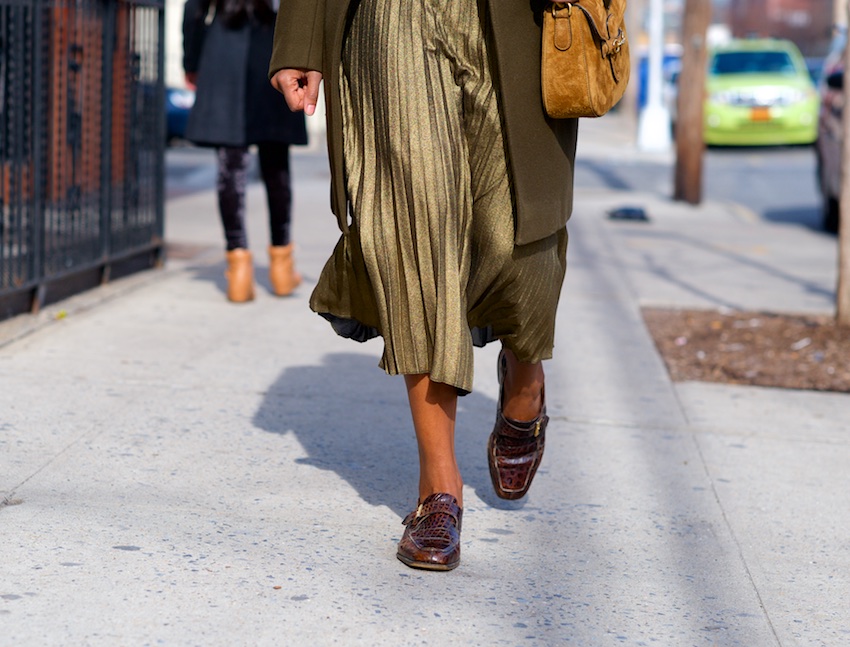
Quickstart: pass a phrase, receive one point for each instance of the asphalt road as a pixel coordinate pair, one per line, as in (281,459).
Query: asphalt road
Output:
(777,184)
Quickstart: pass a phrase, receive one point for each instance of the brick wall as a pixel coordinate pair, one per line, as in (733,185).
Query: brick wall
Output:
(806,22)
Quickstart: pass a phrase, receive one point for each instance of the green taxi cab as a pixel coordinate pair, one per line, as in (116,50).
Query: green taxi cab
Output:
(759,93)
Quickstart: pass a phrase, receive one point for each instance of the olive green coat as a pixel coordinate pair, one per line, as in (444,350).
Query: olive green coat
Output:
(541,151)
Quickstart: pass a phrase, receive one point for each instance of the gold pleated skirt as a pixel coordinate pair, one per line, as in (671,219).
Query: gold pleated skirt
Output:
(429,261)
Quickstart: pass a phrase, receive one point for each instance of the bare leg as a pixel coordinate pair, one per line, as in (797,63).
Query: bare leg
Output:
(523,389)
(434,406)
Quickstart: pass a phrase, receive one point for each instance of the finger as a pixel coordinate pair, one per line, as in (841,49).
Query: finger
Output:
(287,83)
(294,97)
(311,92)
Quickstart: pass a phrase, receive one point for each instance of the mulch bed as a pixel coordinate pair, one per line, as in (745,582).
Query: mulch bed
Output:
(758,348)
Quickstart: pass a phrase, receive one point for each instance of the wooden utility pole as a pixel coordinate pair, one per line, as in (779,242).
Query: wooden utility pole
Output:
(842,296)
(691,97)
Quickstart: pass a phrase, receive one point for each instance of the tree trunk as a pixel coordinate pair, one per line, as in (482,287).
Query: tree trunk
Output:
(691,97)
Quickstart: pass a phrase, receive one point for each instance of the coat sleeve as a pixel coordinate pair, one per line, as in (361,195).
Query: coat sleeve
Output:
(194,29)
(299,36)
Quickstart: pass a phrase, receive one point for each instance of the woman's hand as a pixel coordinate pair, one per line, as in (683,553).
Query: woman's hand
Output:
(300,88)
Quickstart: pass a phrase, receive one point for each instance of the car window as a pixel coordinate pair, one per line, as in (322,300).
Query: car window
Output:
(753,63)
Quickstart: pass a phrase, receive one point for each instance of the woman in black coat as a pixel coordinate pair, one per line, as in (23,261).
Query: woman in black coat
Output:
(227,45)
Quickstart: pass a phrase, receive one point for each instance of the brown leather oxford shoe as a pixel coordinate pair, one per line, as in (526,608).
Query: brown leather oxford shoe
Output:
(431,538)
(515,449)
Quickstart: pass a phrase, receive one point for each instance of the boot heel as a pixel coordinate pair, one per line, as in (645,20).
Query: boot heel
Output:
(282,274)
(240,276)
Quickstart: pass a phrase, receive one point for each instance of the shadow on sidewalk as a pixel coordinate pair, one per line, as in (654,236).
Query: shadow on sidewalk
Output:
(215,274)
(353,420)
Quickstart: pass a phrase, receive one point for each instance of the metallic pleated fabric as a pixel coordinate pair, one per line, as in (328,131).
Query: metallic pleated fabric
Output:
(429,262)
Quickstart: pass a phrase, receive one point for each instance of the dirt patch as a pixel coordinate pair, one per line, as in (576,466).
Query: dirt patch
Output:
(764,349)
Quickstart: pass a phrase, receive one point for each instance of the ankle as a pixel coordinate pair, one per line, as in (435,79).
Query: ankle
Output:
(443,486)
(523,409)
(522,392)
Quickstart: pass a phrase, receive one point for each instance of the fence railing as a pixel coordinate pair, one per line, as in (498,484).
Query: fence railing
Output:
(82,137)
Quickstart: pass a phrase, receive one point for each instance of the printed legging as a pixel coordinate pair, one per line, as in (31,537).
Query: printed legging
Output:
(233,180)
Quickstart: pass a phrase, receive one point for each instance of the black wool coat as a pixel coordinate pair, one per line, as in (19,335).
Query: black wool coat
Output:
(234,103)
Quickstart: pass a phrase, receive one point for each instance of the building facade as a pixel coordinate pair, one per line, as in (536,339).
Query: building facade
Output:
(808,23)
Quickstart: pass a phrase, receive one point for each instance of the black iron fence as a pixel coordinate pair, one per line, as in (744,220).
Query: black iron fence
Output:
(82,134)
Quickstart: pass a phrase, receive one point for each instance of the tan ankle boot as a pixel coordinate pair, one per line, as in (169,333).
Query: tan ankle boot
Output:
(282,274)
(240,276)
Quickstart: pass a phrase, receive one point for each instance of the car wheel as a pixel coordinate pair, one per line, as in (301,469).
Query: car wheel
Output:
(819,169)
(831,214)
(831,207)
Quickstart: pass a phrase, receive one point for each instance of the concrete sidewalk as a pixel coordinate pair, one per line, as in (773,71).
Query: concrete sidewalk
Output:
(180,470)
